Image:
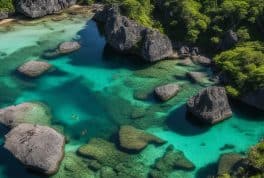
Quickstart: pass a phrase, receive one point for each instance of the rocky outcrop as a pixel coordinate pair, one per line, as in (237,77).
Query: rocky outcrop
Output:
(40,8)
(255,99)
(229,40)
(34,68)
(166,92)
(210,105)
(3,15)
(202,60)
(39,148)
(127,36)
(106,12)
(34,113)
(134,139)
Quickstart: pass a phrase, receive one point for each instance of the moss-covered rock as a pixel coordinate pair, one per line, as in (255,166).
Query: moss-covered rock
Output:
(74,166)
(103,151)
(134,139)
(256,156)
(228,162)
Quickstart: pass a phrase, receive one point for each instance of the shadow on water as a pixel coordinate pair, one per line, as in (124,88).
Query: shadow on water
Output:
(183,123)
(244,111)
(96,52)
(12,168)
(209,170)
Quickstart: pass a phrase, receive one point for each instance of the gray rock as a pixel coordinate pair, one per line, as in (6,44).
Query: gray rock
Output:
(34,68)
(255,99)
(3,15)
(39,8)
(166,92)
(123,34)
(197,77)
(28,112)
(202,60)
(127,36)
(103,14)
(156,46)
(229,41)
(39,148)
(184,52)
(210,105)
(68,47)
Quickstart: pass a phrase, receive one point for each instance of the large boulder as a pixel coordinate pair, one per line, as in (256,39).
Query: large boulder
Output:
(156,46)
(210,105)
(127,36)
(255,99)
(166,92)
(122,33)
(39,8)
(202,60)
(197,77)
(28,112)
(134,139)
(34,68)
(39,148)
(68,47)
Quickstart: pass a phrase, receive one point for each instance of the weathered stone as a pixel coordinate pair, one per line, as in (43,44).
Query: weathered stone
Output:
(37,147)
(197,77)
(156,46)
(34,68)
(210,105)
(34,113)
(166,92)
(39,8)
(3,15)
(202,60)
(135,139)
(103,14)
(185,62)
(68,47)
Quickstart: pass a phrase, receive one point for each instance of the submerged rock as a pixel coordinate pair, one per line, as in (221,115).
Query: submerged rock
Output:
(103,151)
(34,113)
(210,105)
(40,8)
(171,160)
(68,47)
(202,60)
(37,147)
(255,99)
(228,162)
(34,68)
(197,77)
(166,92)
(135,139)
(73,166)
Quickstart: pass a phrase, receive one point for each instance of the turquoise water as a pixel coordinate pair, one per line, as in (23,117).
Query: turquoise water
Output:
(96,86)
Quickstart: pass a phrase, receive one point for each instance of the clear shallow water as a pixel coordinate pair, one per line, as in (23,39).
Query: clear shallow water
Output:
(96,86)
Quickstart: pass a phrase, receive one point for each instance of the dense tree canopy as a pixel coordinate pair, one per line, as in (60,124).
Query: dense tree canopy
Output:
(6,6)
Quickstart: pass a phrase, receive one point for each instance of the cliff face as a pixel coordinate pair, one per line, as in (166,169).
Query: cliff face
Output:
(39,8)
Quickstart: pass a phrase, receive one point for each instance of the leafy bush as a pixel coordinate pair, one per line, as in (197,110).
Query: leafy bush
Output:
(6,6)
(256,156)
(244,65)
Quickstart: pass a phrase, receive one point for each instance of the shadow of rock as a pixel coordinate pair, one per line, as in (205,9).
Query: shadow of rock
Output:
(183,123)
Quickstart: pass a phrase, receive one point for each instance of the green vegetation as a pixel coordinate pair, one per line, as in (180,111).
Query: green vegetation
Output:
(6,6)
(244,65)
(256,156)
